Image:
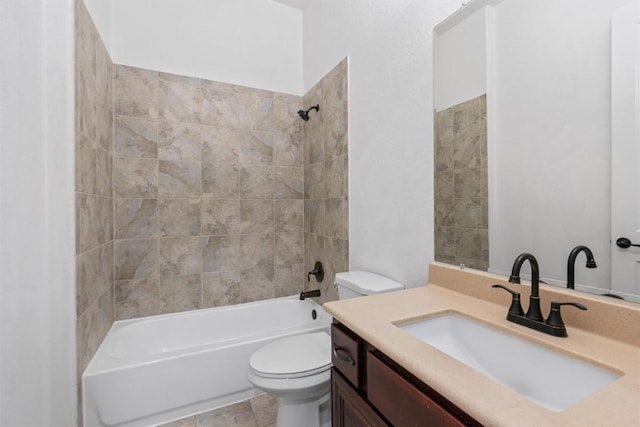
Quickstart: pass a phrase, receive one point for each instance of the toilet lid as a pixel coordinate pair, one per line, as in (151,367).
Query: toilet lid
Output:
(295,356)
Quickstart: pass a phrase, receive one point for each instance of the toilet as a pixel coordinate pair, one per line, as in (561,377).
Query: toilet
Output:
(297,369)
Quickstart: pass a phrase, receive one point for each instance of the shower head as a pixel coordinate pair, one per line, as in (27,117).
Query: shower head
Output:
(304,114)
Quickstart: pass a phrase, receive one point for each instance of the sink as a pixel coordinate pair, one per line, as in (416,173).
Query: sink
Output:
(551,379)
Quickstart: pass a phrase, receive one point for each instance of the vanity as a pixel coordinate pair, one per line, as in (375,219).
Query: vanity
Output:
(385,374)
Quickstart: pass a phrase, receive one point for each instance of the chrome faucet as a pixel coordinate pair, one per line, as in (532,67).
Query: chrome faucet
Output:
(534,319)
(571,263)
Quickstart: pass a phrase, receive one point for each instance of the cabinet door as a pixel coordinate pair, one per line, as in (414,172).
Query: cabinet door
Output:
(401,402)
(349,409)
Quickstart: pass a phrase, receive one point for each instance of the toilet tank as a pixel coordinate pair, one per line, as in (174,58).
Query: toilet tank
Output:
(352,284)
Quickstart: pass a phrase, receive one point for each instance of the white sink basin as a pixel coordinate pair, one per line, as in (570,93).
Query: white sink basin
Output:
(550,379)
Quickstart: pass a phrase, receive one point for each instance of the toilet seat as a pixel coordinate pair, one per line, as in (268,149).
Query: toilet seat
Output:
(293,357)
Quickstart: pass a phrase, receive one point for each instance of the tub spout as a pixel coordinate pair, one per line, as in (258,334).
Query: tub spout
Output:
(310,294)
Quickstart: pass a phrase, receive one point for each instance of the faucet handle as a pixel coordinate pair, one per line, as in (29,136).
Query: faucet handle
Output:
(515,308)
(555,319)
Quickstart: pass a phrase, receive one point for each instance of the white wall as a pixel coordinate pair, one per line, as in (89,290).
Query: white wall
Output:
(100,11)
(461,61)
(37,295)
(256,43)
(551,162)
(390,49)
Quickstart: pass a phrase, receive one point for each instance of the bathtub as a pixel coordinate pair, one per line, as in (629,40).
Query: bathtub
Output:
(158,369)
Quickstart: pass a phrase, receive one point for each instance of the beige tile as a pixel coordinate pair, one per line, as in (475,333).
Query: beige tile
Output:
(136,298)
(220,145)
(285,113)
(256,250)
(289,215)
(179,141)
(334,89)
(334,218)
(443,149)
(135,178)
(288,280)
(313,250)
(256,111)
(256,216)
(236,415)
(313,131)
(335,135)
(104,172)
(105,219)
(180,293)
(265,409)
(314,181)
(179,102)
(136,218)
(336,173)
(314,216)
(466,120)
(136,259)
(287,149)
(183,80)
(256,148)
(220,217)
(466,153)
(220,253)
(220,289)
(180,217)
(86,279)
(256,284)
(468,242)
(444,242)
(180,256)
(135,92)
(104,127)
(88,221)
(179,178)
(104,78)
(289,249)
(288,183)
(91,328)
(220,180)
(85,151)
(467,183)
(444,185)
(85,68)
(445,211)
(256,182)
(337,255)
(220,107)
(468,213)
(136,137)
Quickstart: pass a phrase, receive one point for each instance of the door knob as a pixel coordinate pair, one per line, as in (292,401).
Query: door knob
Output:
(625,243)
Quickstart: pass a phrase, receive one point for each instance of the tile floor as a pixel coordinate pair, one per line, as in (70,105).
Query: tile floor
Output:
(259,411)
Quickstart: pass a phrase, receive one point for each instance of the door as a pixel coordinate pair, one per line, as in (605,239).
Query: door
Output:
(625,148)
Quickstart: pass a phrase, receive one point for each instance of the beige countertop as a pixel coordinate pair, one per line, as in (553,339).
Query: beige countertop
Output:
(611,341)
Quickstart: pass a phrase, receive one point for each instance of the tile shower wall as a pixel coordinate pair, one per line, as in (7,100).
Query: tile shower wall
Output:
(461,202)
(326,203)
(208,188)
(94,196)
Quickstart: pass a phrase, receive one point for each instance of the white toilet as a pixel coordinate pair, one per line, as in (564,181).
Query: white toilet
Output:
(297,369)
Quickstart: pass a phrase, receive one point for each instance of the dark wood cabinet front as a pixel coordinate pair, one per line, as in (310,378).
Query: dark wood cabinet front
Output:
(368,389)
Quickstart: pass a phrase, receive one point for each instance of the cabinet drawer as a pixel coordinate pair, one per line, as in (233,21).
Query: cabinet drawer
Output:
(345,356)
(414,408)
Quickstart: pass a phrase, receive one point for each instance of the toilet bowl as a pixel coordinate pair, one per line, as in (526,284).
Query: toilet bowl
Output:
(297,369)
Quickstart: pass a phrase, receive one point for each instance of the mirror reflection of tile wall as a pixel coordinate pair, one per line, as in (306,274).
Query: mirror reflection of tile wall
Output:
(461,202)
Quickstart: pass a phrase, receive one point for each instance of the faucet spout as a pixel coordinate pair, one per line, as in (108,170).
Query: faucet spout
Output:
(571,263)
(533,312)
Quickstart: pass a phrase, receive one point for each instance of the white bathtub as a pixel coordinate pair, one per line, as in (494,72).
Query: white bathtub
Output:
(157,369)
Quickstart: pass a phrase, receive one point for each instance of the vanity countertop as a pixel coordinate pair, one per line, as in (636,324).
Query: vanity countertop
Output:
(611,341)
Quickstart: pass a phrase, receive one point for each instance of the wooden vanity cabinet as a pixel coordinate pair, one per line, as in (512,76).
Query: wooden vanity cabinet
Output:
(369,389)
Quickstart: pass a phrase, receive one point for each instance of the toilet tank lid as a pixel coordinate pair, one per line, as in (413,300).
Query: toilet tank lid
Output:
(367,283)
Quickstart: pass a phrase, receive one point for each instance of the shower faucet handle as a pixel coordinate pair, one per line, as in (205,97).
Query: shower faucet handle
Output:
(317,271)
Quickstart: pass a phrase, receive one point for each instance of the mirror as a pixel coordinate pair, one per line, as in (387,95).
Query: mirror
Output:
(523,150)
